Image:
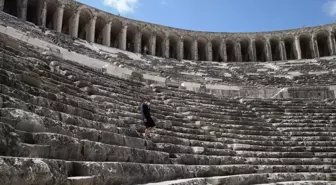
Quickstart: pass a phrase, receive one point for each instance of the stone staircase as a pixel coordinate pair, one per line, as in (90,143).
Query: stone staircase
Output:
(67,124)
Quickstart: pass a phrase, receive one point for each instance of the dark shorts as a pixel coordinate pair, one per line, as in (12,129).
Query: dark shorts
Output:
(149,123)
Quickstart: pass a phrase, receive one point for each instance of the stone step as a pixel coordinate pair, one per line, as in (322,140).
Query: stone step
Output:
(303,133)
(249,179)
(29,122)
(79,101)
(67,108)
(285,142)
(34,150)
(266,154)
(81,180)
(301,183)
(56,146)
(199,159)
(308,129)
(194,181)
(213,126)
(245,147)
(183,149)
(303,125)
(265,178)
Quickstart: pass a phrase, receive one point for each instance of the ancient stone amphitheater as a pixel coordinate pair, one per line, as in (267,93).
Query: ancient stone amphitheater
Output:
(230,108)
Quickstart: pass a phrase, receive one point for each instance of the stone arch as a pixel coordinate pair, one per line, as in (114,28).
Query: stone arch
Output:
(159,45)
(85,15)
(245,47)
(145,40)
(115,32)
(32,8)
(306,50)
(230,50)
(202,42)
(187,47)
(67,16)
(52,6)
(275,48)
(216,49)
(173,45)
(260,46)
(322,38)
(11,7)
(101,22)
(130,37)
(290,48)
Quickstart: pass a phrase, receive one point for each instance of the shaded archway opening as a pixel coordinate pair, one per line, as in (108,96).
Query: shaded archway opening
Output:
(159,44)
(32,8)
(130,38)
(244,44)
(115,32)
(11,7)
(67,15)
(173,46)
(145,41)
(322,44)
(201,50)
(306,52)
(187,48)
(51,10)
(101,22)
(83,23)
(260,50)
(275,49)
(216,50)
(290,48)
(230,51)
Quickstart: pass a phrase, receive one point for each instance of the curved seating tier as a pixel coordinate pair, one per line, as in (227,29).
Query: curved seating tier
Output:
(65,123)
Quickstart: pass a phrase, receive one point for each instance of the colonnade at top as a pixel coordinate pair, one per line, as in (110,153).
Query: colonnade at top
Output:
(113,31)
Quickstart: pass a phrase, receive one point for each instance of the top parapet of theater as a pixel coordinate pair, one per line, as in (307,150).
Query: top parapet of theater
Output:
(75,6)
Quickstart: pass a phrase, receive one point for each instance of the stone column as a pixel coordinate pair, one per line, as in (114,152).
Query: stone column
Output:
(209,51)
(166,47)
(297,46)
(314,47)
(252,51)
(180,49)
(122,38)
(238,52)
(282,50)
(268,50)
(23,5)
(90,34)
(223,53)
(331,43)
(42,13)
(107,34)
(194,50)
(73,24)
(137,42)
(58,18)
(152,45)
(2,4)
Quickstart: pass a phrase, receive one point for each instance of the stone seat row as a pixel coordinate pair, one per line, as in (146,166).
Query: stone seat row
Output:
(258,179)
(45,139)
(122,142)
(58,171)
(49,113)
